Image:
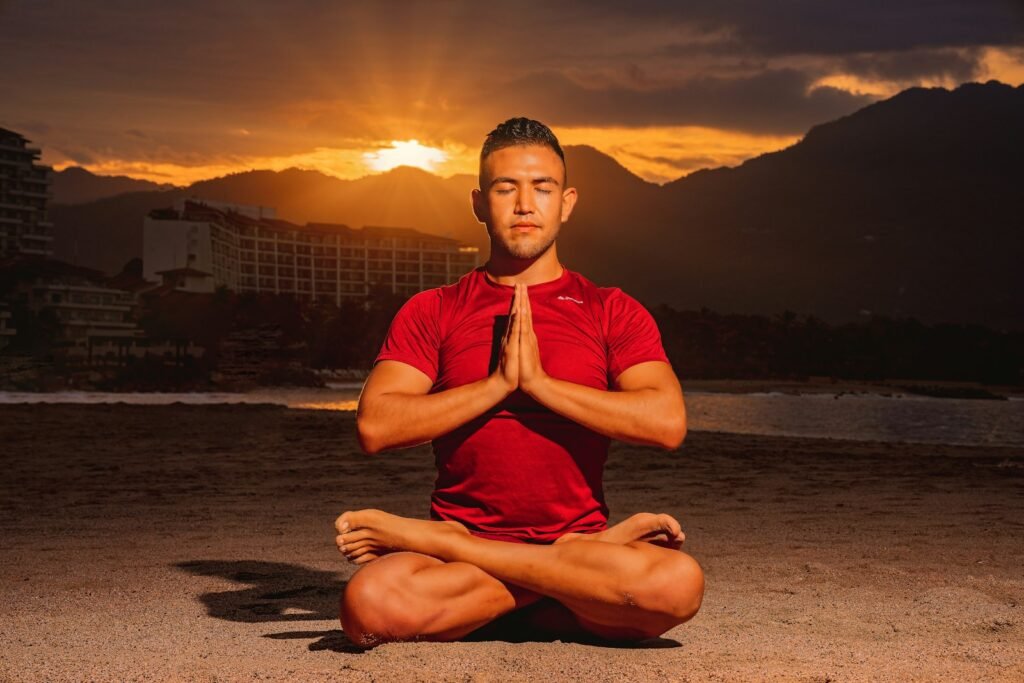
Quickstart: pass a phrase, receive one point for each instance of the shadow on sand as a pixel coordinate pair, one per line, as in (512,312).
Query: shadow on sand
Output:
(279,592)
(276,592)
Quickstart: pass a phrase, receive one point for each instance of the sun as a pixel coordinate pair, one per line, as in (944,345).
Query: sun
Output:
(405,153)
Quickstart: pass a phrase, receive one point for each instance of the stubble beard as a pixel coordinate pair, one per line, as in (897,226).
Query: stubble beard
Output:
(523,249)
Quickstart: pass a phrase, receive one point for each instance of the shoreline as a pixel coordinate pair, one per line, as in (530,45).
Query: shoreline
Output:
(884,388)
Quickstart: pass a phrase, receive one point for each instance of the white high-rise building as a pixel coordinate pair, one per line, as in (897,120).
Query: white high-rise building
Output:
(246,249)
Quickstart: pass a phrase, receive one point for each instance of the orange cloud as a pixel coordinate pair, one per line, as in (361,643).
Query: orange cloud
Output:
(655,154)
(661,154)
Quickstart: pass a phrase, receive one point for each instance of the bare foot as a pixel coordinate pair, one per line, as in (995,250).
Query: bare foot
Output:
(365,535)
(659,529)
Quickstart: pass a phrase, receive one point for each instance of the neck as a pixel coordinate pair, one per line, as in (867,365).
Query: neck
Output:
(508,270)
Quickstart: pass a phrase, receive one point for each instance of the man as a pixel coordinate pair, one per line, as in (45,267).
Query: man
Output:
(508,373)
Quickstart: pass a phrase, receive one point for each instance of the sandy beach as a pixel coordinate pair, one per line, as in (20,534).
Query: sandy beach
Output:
(196,543)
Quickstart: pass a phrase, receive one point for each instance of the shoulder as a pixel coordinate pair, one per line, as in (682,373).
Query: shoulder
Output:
(612,299)
(426,303)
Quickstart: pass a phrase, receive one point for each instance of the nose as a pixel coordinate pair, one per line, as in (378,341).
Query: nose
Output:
(524,203)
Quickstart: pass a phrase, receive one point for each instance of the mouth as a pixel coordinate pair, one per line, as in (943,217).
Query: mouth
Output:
(524,226)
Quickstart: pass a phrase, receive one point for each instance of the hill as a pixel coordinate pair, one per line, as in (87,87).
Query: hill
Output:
(76,185)
(908,207)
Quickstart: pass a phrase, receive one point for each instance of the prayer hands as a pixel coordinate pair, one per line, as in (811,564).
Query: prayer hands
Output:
(519,365)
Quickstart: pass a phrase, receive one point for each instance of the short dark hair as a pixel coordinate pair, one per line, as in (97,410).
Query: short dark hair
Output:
(520,131)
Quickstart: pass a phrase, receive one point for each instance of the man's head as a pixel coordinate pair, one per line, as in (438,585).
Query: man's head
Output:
(523,198)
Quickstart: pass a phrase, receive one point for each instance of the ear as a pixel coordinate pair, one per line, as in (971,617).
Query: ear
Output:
(479,206)
(569,197)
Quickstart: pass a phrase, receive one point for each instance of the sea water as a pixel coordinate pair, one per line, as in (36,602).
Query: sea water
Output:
(861,417)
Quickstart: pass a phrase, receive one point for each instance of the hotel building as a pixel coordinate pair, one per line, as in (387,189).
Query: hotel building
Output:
(24,192)
(247,249)
(85,311)
(6,331)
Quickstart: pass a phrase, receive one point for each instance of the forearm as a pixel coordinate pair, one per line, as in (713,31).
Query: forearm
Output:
(644,416)
(397,420)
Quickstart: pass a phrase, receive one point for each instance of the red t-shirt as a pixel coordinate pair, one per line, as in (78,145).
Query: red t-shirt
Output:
(521,471)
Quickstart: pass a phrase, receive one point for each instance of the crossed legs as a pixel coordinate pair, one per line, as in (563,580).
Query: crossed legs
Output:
(627,583)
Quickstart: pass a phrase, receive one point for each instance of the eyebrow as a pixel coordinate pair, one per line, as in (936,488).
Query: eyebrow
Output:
(535,181)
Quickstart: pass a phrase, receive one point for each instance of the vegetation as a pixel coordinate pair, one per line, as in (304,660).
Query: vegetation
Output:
(700,344)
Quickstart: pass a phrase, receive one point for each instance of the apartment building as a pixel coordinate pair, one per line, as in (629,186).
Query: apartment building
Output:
(7,331)
(24,193)
(247,249)
(85,311)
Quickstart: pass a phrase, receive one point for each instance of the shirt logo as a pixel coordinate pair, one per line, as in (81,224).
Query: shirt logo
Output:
(569,298)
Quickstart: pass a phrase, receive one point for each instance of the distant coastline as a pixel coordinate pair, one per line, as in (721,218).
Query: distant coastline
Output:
(914,387)
(354,377)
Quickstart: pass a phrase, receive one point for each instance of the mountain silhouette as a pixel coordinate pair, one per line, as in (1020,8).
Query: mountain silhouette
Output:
(908,207)
(77,185)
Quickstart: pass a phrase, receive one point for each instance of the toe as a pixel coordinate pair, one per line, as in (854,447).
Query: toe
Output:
(353,536)
(670,525)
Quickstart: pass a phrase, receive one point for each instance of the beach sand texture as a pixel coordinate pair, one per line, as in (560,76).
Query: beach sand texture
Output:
(196,543)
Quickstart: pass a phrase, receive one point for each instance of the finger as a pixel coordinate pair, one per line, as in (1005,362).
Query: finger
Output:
(513,308)
(519,316)
(525,307)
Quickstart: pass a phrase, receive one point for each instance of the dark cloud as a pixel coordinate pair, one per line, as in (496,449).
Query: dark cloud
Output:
(960,65)
(774,102)
(312,72)
(79,156)
(835,27)
(32,127)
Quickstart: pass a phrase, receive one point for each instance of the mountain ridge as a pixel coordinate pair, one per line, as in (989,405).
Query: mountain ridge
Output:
(907,207)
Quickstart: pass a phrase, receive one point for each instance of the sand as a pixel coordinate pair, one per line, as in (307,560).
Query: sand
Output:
(195,543)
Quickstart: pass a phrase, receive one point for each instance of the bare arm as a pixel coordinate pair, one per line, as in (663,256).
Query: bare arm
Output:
(395,409)
(646,407)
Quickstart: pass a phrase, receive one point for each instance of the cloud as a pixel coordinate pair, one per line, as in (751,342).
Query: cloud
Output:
(958,65)
(772,102)
(215,82)
(836,27)
(79,156)
(682,163)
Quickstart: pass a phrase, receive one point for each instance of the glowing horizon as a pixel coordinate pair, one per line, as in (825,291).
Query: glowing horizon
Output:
(655,153)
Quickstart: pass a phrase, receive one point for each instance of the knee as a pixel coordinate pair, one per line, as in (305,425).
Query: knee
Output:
(374,606)
(673,587)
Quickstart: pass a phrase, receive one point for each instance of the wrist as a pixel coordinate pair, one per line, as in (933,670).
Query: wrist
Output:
(497,387)
(537,385)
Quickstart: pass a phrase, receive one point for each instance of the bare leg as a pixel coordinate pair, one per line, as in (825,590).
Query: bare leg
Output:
(625,591)
(405,596)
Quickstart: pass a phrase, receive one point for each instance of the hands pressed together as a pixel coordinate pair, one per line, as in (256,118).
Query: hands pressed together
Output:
(519,364)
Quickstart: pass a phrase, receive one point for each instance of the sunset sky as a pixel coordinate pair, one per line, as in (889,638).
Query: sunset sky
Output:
(177,92)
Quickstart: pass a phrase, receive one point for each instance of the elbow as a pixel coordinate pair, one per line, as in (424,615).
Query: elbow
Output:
(367,436)
(674,433)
